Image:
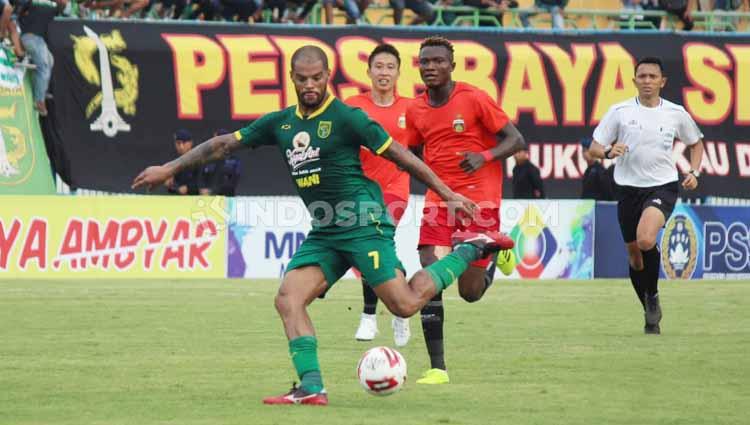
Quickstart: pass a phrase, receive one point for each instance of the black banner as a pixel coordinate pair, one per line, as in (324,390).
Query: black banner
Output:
(123,88)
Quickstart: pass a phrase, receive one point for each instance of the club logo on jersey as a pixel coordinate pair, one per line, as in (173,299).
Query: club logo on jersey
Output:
(302,153)
(402,121)
(679,248)
(324,129)
(458,124)
(108,49)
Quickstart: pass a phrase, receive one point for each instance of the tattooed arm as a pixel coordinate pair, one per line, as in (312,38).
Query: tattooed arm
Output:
(213,149)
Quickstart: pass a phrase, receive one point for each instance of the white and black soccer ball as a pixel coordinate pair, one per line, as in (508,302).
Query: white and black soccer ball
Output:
(382,371)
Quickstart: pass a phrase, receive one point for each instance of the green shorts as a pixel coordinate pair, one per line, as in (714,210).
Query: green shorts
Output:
(374,256)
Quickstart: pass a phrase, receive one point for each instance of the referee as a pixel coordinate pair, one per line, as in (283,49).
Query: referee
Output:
(640,133)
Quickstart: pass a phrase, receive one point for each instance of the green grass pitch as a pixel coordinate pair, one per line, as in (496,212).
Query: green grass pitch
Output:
(187,352)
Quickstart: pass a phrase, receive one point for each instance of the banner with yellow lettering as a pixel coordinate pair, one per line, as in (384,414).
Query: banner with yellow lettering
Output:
(45,237)
(123,88)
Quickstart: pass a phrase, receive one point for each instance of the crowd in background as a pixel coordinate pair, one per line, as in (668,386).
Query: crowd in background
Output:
(298,11)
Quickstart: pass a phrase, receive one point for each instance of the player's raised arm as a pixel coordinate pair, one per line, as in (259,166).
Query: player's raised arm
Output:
(213,149)
(409,162)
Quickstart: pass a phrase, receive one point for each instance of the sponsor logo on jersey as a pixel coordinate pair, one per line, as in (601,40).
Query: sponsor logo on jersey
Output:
(679,248)
(302,153)
(286,126)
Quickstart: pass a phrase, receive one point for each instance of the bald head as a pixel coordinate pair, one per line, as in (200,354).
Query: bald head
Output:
(309,54)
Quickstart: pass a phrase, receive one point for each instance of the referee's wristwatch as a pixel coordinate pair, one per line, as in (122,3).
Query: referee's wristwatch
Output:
(607,152)
(695,173)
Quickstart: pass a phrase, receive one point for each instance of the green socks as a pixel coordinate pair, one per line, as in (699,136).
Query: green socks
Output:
(446,270)
(304,353)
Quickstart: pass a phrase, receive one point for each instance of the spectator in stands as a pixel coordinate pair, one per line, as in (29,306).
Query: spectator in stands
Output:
(644,5)
(527,181)
(34,19)
(490,8)
(730,4)
(555,9)
(164,8)
(422,8)
(682,9)
(220,177)
(240,10)
(117,8)
(597,180)
(298,10)
(185,182)
(353,8)
(8,28)
(203,10)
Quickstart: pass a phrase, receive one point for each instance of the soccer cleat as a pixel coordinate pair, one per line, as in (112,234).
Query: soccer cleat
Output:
(434,377)
(506,261)
(487,243)
(401,331)
(368,328)
(298,395)
(653,314)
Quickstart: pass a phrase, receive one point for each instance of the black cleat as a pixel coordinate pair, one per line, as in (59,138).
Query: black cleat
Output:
(652,330)
(653,314)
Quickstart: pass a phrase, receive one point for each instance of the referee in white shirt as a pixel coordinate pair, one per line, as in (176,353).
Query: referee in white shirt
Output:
(640,133)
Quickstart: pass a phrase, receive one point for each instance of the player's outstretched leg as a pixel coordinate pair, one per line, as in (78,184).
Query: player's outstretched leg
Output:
(368,323)
(405,300)
(298,289)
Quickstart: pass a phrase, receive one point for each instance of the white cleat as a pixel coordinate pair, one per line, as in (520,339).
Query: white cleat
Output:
(368,328)
(401,331)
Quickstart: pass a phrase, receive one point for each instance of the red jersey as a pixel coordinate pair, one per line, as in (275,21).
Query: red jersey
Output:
(468,122)
(393,119)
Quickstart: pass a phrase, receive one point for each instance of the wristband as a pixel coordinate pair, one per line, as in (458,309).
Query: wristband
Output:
(606,153)
(487,155)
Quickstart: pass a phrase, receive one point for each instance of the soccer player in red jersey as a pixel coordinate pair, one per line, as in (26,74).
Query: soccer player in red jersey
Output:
(384,106)
(464,136)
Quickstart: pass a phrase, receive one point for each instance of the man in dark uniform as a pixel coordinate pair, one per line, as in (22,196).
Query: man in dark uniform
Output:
(597,180)
(527,181)
(185,182)
(220,177)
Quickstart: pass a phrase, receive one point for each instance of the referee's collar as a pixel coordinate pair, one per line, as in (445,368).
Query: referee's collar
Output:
(661,102)
(322,108)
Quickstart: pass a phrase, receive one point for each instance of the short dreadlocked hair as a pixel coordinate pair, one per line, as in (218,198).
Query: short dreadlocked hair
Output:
(439,41)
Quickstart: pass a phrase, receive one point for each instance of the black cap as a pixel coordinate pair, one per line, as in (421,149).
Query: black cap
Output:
(183,135)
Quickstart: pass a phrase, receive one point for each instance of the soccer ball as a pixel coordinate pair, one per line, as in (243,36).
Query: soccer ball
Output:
(382,371)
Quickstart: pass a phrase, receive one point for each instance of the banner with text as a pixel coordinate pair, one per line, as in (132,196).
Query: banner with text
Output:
(696,242)
(123,88)
(554,239)
(24,166)
(129,237)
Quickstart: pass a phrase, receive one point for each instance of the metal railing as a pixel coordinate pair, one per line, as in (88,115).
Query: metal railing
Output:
(625,19)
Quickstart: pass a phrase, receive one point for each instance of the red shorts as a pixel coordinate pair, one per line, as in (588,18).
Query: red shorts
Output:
(437,227)
(395,205)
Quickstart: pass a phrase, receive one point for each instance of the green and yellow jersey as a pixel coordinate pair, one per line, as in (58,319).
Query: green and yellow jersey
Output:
(322,153)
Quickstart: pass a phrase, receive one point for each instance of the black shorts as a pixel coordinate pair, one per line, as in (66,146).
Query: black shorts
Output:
(633,200)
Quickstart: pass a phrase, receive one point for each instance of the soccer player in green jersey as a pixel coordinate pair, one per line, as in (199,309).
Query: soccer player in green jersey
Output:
(320,139)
